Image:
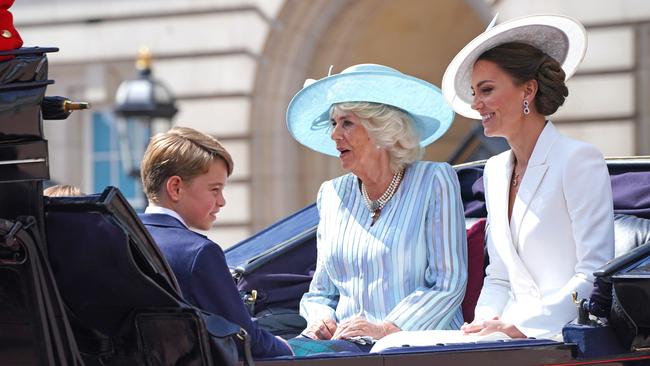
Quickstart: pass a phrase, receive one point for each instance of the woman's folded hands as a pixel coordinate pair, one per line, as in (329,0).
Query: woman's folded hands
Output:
(327,328)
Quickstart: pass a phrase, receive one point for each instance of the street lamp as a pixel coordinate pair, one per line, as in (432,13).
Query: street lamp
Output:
(140,105)
(144,97)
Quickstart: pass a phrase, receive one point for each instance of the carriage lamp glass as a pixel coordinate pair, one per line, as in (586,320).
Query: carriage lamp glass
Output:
(144,97)
(143,106)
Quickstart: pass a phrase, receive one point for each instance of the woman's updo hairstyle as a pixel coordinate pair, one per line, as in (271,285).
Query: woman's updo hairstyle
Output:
(524,62)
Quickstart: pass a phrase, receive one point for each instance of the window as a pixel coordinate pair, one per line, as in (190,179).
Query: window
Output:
(114,144)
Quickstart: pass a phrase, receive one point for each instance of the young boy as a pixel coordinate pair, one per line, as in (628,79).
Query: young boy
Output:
(184,173)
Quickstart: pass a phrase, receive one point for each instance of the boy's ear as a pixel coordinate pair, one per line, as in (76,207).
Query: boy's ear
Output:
(173,187)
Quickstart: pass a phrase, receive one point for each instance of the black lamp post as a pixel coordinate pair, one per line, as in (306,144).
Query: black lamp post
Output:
(140,104)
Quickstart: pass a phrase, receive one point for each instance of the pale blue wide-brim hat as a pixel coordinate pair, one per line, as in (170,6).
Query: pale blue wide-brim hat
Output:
(308,117)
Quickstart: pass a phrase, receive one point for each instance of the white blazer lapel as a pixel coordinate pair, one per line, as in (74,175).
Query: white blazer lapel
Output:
(527,189)
(500,174)
(499,186)
(533,177)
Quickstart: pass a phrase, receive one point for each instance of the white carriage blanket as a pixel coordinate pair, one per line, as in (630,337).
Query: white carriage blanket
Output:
(430,338)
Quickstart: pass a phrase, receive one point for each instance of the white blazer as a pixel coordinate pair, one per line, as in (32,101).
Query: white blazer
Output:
(561,231)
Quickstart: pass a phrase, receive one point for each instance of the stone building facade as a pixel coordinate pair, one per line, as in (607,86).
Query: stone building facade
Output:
(234,65)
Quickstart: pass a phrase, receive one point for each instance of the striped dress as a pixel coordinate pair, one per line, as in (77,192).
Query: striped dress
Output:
(409,268)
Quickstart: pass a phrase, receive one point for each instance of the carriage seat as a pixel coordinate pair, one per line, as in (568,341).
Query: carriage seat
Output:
(123,299)
(629,232)
(476,263)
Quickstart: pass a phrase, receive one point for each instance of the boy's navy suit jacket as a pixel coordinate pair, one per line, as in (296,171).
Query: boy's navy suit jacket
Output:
(204,278)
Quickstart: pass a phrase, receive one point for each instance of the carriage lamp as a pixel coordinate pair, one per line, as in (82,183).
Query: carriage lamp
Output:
(144,96)
(143,106)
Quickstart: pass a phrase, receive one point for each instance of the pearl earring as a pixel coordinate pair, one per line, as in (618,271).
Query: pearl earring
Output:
(526,109)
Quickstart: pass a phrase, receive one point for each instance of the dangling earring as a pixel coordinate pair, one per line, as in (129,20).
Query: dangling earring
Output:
(526,109)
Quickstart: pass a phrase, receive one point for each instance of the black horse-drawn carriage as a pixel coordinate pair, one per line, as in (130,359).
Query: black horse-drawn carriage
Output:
(82,282)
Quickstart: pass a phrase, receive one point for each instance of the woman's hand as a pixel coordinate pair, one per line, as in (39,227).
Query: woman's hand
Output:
(361,327)
(485,327)
(322,329)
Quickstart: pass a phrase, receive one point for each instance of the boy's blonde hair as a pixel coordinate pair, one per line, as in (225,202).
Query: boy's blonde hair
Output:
(181,151)
(62,190)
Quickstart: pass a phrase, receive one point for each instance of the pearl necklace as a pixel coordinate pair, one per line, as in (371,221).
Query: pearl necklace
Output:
(375,206)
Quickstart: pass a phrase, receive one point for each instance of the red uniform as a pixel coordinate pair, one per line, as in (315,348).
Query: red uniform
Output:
(9,37)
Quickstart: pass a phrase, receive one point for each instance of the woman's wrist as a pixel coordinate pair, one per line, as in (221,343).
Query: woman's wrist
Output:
(389,328)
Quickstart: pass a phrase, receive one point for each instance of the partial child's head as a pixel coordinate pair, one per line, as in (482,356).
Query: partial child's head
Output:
(62,190)
(186,170)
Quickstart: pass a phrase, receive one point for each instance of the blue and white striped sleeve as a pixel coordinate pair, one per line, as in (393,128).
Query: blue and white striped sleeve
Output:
(436,305)
(322,298)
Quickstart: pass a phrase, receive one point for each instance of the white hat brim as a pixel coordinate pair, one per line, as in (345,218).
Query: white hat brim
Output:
(561,37)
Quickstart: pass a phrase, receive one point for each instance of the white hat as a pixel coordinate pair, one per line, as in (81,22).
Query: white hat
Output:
(560,37)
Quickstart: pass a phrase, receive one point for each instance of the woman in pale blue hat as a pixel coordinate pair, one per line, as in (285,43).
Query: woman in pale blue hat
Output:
(391,237)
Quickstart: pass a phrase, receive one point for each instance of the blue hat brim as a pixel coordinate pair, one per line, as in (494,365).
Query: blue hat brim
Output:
(308,112)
